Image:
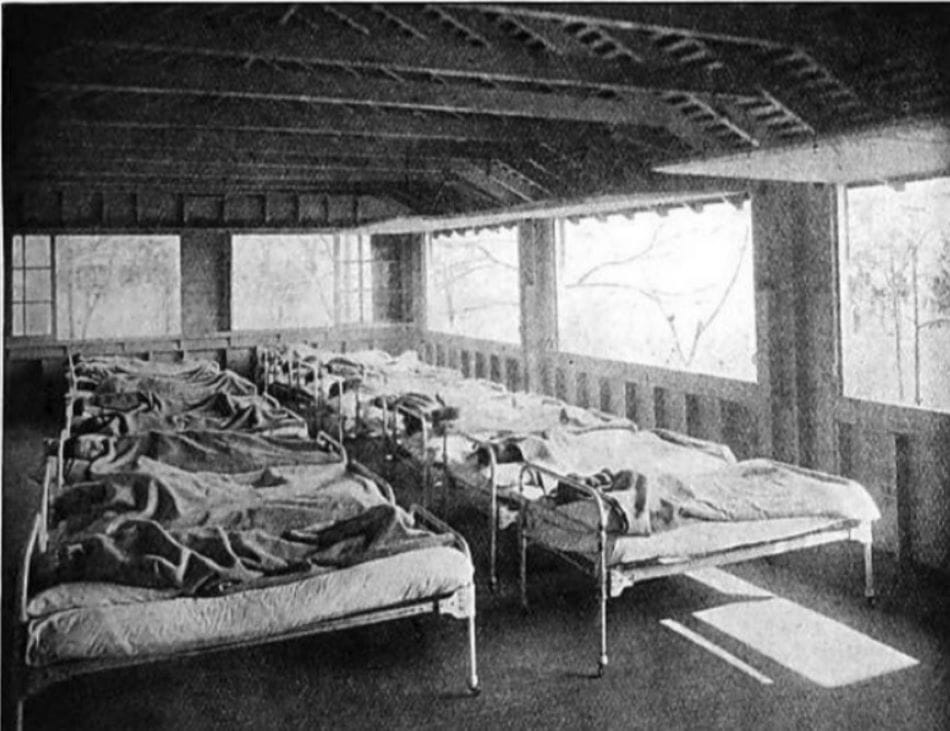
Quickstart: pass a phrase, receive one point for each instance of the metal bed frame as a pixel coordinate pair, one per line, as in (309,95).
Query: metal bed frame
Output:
(613,580)
(297,392)
(31,680)
(491,489)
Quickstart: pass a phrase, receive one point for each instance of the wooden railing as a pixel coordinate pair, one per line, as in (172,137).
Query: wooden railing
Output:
(902,455)
(720,409)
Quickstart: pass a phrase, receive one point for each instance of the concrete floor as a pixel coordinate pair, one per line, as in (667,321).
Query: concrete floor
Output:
(536,670)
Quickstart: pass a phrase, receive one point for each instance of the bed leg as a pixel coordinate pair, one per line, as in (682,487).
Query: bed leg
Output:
(493,545)
(523,561)
(869,594)
(602,659)
(472,662)
(603,581)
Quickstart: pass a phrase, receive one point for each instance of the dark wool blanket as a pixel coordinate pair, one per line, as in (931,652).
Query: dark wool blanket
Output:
(132,413)
(98,368)
(195,451)
(204,533)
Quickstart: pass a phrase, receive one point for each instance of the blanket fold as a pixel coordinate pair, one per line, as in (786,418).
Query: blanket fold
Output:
(202,533)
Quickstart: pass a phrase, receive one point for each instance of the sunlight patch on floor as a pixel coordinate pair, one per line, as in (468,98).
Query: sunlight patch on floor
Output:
(715,650)
(823,650)
(726,583)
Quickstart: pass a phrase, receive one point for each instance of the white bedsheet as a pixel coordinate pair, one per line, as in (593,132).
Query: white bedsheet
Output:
(102,621)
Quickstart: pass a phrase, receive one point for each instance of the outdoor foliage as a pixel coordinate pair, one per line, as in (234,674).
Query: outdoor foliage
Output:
(473,285)
(673,290)
(281,281)
(117,286)
(896,293)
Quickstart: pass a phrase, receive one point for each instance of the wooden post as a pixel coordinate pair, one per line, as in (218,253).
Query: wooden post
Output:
(536,254)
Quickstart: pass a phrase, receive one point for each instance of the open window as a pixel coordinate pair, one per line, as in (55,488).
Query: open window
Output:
(669,288)
(895,292)
(282,281)
(31,286)
(117,286)
(473,284)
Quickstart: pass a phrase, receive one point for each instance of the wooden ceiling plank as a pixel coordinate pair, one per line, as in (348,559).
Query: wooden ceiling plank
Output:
(478,178)
(840,42)
(440,55)
(264,84)
(305,120)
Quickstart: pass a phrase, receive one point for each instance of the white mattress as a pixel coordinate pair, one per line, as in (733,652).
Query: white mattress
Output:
(689,541)
(104,621)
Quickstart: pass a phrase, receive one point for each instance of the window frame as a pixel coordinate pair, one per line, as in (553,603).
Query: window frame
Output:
(10,272)
(841,258)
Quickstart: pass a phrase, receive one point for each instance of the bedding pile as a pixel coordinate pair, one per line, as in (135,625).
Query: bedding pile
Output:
(207,450)
(147,411)
(659,480)
(204,533)
(100,367)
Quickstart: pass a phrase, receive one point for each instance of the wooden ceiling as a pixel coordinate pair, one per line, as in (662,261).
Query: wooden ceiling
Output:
(446,108)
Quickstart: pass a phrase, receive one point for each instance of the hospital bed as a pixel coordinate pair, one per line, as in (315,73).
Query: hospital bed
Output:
(735,512)
(69,628)
(124,395)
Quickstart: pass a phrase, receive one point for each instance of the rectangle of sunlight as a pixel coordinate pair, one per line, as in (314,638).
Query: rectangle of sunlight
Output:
(726,583)
(821,649)
(715,650)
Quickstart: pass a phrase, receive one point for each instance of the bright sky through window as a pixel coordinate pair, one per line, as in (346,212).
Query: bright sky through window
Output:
(672,289)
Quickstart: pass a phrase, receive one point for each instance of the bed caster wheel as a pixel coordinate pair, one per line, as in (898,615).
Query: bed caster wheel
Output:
(493,585)
(474,690)
(601,667)
(871,602)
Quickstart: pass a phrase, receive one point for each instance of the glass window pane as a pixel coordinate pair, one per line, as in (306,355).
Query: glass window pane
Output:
(473,284)
(16,327)
(17,251)
(673,290)
(895,293)
(38,284)
(38,319)
(37,251)
(117,286)
(16,285)
(281,281)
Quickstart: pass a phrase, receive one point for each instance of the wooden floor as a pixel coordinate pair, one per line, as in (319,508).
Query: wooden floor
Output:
(536,670)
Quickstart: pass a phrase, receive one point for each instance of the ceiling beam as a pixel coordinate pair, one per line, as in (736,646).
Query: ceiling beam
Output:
(267,85)
(49,138)
(306,39)
(291,119)
(844,39)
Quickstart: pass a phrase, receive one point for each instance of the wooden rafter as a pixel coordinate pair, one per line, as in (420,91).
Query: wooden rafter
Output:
(265,85)
(303,40)
(66,136)
(809,30)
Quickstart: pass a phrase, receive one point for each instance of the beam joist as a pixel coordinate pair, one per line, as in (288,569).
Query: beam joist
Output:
(304,41)
(268,85)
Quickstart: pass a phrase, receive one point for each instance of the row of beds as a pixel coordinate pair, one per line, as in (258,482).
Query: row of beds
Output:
(621,504)
(183,511)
